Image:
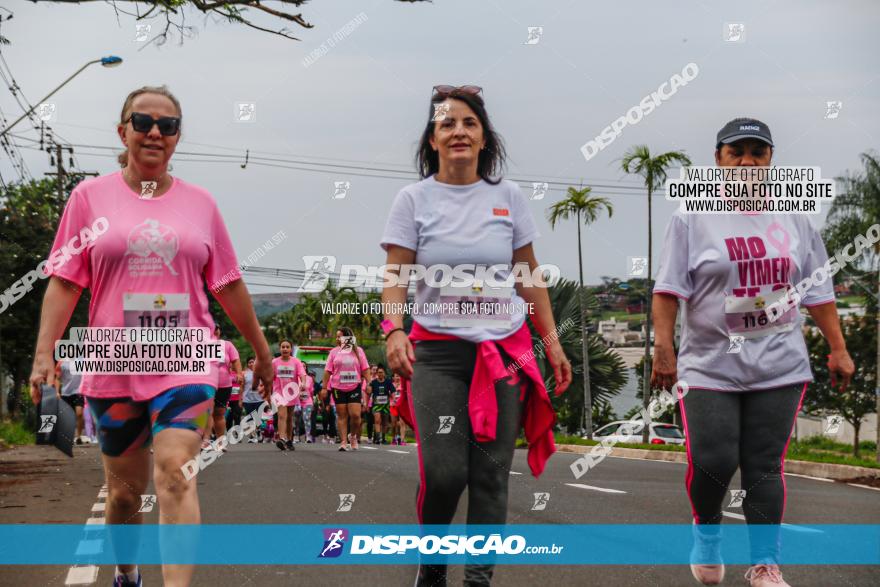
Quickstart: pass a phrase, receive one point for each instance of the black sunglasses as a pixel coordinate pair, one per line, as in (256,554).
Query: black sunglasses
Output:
(168,125)
(446,91)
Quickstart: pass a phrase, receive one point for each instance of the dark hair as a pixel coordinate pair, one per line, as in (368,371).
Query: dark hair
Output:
(491,159)
(282,341)
(380,366)
(249,359)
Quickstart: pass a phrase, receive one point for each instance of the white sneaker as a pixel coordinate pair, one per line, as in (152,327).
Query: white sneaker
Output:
(765,576)
(706,564)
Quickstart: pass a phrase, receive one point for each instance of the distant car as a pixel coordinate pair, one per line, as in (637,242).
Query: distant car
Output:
(659,433)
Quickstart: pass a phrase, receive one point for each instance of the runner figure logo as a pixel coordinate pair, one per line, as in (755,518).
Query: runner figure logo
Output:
(637,266)
(334,542)
(148,502)
(832,109)
(736,342)
(734,32)
(142,31)
(541,500)
(317,272)
(47,423)
(832,424)
(346,500)
(148,189)
(736,498)
(535,33)
(148,238)
(539,190)
(440,112)
(446,423)
(341,189)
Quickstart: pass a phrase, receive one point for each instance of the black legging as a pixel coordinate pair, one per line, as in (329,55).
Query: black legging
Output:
(233,416)
(749,430)
(450,461)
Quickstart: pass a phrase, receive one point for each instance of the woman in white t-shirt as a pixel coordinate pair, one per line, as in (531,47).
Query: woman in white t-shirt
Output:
(746,373)
(460,220)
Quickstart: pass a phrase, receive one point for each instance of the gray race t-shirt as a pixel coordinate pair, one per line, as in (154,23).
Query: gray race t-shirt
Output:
(447,224)
(728,268)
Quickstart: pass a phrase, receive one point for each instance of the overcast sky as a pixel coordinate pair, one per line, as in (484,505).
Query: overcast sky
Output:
(364,102)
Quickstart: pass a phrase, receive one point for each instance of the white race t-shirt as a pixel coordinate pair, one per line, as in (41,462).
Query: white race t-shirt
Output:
(729,268)
(447,224)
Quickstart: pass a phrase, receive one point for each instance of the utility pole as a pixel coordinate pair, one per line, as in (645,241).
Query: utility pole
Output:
(60,173)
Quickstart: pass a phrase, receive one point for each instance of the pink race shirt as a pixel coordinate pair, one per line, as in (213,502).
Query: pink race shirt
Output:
(150,267)
(227,379)
(345,368)
(305,395)
(286,372)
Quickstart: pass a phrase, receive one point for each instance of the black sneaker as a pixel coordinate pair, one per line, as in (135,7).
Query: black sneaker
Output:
(290,445)
(280,444)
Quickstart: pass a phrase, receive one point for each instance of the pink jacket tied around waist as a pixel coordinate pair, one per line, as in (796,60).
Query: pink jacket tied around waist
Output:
(539,416)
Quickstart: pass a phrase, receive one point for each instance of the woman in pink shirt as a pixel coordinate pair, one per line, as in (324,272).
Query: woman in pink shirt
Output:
(347,368)
(290,379)
(163,241)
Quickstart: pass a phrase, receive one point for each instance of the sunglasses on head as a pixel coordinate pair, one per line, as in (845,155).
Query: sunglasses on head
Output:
(168,125)
(446,91)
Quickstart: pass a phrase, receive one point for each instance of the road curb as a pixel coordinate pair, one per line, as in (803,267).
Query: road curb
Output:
(824,470)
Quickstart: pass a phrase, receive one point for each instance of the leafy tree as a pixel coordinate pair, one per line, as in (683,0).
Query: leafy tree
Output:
(607,370)
(858,400)
(29,216)
(851,213)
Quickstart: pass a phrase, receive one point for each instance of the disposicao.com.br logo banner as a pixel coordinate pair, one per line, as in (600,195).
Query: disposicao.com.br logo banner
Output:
(533,544)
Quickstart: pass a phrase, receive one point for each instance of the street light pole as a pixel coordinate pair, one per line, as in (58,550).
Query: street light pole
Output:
(111,61)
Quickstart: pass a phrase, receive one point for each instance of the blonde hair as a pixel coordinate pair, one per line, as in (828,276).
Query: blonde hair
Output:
(127,106)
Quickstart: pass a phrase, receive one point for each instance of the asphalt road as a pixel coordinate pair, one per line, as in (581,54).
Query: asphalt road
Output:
(257,484)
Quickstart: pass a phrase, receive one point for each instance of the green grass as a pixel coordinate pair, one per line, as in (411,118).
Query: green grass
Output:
(816,449)
(620,316)
(15,433)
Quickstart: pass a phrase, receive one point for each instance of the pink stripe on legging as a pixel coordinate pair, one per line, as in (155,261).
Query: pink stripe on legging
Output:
(689,477)
(785,450)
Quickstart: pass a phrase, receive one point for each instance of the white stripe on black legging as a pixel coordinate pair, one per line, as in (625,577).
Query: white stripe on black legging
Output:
(450,461)
(749,430)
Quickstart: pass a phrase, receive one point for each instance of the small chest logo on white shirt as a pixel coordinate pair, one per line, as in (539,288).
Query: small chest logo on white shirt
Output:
(152,247)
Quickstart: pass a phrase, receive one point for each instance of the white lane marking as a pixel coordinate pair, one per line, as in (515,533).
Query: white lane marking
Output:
(369,448)
(81,575)
(99,507)
(102,494)
(594,488)
(400,452)
(647,460)
(793,527)
(811,477)
(864,486)
(89,547)
(515,473)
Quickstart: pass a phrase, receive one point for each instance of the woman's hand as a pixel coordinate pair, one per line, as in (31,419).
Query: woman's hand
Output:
(561,366)
(664,371)
(840,367)
(42,372)
(399,351)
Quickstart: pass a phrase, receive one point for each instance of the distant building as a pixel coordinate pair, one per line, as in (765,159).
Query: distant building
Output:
(618,333)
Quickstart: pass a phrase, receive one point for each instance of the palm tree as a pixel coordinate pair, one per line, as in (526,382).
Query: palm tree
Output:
(606,368)
(852,213)
(580,203)
(653,170)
